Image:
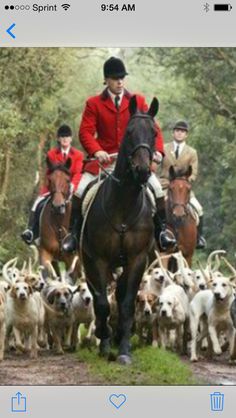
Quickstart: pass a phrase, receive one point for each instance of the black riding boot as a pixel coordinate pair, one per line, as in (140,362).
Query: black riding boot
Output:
(70,242)
(201,242)
(163,236)
(31,232)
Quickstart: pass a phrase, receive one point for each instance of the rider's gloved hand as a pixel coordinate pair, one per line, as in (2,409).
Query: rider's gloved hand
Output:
(102,156)
(157,157)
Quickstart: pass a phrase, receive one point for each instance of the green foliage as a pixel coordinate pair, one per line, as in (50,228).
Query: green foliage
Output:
(43,87)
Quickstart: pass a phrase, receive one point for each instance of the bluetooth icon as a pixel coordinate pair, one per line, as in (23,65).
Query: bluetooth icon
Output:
(206,7)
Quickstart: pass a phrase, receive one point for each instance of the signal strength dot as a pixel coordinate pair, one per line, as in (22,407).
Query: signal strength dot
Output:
(65,6)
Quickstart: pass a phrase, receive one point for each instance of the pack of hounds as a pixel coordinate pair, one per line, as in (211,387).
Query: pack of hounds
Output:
(191,311)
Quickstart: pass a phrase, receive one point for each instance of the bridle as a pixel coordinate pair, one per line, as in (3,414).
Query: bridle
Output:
(142,145)
(173,205)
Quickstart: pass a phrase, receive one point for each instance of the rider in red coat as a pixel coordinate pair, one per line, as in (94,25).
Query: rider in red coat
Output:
(56,156)
(102,130)
(102,118)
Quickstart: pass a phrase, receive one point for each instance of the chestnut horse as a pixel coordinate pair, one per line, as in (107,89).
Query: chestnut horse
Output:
(119,230)
(54,220)
(179,216)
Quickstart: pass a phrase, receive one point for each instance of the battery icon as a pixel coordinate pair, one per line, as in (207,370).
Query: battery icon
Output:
(222,7)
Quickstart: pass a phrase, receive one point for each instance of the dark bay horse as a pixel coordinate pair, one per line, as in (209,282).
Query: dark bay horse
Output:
(179,216)
(119,230)
(54,219)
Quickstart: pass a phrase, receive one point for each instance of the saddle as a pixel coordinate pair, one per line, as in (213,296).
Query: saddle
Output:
(89,194)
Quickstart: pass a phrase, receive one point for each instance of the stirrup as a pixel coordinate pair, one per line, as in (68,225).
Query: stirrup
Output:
(201,243)
(27,236)
(166,241)
(70,243)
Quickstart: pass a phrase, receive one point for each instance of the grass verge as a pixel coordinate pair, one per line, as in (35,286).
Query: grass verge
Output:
(150,366)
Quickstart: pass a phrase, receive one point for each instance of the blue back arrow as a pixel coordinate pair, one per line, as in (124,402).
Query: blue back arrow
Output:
(9,30)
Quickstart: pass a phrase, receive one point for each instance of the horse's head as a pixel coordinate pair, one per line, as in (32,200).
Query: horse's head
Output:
(179,193)
(59,185)
(139,141)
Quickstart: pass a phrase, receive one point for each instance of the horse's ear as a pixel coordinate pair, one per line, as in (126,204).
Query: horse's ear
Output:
(133,105)
(171,173)
(49,164)
(189,171)
(154,107)
(68,163)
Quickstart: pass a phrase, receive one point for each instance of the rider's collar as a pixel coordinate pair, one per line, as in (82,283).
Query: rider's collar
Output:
(113,96)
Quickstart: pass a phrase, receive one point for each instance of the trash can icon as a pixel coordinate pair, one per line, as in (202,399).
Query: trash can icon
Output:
(217,401)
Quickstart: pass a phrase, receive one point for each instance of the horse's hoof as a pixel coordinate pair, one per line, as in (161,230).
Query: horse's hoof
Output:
(124,359)
(112,357)
(104,348)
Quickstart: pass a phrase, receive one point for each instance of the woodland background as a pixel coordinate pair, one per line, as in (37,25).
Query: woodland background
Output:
(41,88)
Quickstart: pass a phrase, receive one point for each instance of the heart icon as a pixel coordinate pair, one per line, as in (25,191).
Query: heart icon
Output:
(117,400)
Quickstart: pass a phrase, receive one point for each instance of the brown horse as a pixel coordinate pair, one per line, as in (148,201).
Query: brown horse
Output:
(54,220)
(179,216)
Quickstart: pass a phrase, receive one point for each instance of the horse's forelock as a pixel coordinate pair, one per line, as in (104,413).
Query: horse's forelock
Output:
(60,167)
(181,173)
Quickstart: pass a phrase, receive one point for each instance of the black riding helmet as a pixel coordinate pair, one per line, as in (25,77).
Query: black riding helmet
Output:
(114,68)
(64,131)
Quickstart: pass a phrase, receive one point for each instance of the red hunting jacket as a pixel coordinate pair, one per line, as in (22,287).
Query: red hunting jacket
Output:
(103,126)
(56,156)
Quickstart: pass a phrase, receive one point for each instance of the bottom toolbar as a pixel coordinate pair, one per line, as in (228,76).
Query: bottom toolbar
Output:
(106,402)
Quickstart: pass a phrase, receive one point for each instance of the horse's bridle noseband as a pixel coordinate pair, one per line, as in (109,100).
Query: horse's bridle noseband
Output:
(142,145)
(183,205)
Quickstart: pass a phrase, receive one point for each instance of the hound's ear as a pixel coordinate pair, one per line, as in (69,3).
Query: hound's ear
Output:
(175,302)
(175,278)
(27,280)
(68,163)
(51,297)
(133,105)
(154,297)
(154,107)
(138,296)
(232,279)
(50,165)
(77,289)
(189,171)
(13,292)
(31,290)
(171,173)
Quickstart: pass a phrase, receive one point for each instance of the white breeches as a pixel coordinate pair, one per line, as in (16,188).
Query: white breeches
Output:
(38,200)
(195,203)
(88,177)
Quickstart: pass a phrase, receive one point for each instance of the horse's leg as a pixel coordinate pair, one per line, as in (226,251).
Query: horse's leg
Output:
(127,288)
(44,257)
(97,275)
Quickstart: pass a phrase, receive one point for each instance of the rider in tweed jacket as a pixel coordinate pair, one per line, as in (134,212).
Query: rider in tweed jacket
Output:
(180,155)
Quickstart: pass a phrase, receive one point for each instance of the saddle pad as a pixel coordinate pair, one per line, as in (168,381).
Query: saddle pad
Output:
(151,197)
(91,193)
(193,213)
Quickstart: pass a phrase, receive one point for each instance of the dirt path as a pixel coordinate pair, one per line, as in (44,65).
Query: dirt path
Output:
(68,370)
(215,372)
(48,369)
